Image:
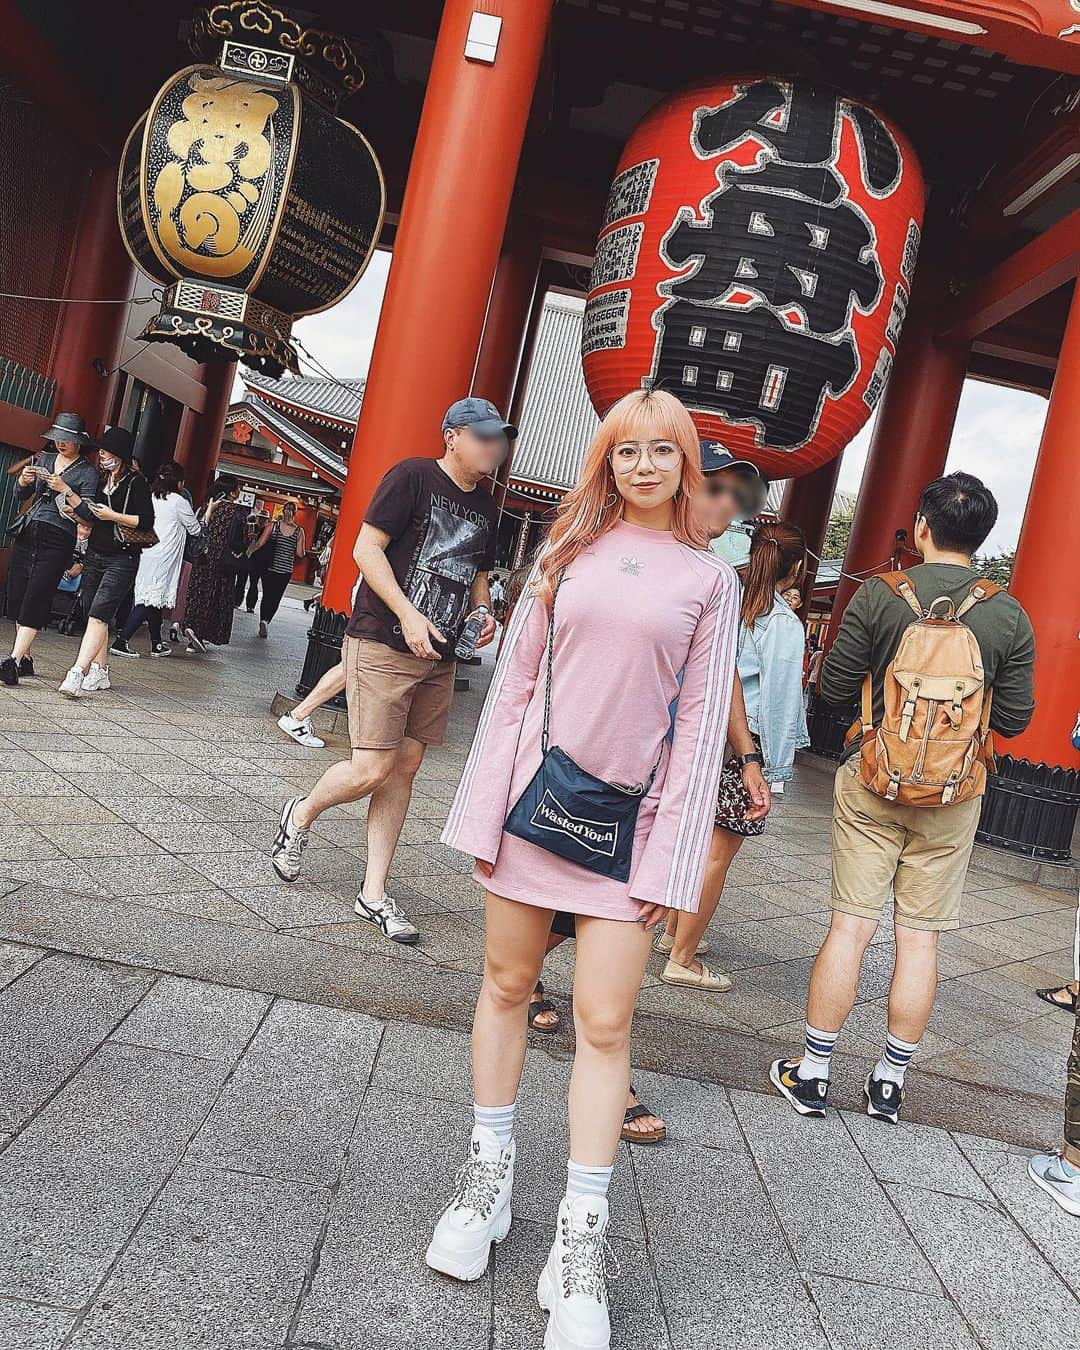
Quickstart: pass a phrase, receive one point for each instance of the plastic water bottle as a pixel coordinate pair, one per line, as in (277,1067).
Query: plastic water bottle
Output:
(465,648)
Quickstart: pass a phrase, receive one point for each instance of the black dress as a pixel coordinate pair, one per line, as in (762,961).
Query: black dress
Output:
(209,609)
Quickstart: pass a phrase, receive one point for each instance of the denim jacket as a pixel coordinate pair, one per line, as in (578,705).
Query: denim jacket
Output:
(770,667)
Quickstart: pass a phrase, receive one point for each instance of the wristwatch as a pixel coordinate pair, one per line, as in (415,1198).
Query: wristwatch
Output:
(754,757)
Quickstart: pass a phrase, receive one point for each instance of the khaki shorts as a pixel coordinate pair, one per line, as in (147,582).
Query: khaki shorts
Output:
(394,694)
(919,853)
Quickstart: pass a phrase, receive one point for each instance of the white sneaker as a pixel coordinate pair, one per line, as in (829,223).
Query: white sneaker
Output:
(303,733)
(573,1285)
(387,916)
(96,678)
(194,641)
(1046,1171)
(72,683)
(666,944)
(479,1213)
(287,850)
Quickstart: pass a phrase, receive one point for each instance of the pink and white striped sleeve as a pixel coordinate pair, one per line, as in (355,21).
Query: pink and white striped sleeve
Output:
(671,868)
(480,806)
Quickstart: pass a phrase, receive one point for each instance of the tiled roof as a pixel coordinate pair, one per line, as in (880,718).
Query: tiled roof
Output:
(295,434)
(557,419)
(324,400)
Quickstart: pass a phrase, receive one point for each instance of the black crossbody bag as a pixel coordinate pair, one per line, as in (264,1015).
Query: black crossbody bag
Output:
(571,813)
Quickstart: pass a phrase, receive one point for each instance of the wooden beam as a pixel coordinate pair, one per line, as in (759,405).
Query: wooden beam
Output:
(1050,261)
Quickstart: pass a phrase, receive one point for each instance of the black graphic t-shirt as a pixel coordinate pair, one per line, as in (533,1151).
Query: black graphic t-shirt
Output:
(440,537)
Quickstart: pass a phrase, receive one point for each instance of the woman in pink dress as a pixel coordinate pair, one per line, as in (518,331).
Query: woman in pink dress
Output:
(639,601)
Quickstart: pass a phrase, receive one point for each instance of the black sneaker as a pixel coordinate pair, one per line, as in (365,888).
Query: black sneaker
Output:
(807,1095)
(9,670)
(120,648)
(26,668)
(883,1098)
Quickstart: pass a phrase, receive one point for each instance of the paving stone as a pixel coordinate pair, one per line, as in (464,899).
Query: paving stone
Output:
(23,843)
(289,1108)
(78,1177)
(252,958)
(1049,1227)
(33,1326)
(918,1155)
(38,784)
(853,1316)
(14,959)
(219,1261)
(217,906)
(50,1020)
(359,1304)
(838,1218)
(146,876)
(720,1256)
(226,809)
(60,872)
(195,1018)
(151,809)
(636,1316)
(98,841)
(1017,1302)
(60,810)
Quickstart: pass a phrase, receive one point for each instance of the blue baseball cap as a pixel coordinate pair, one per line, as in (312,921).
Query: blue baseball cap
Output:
(479,415)
(714,457)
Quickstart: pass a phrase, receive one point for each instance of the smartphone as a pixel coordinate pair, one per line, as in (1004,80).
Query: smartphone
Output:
(39,472)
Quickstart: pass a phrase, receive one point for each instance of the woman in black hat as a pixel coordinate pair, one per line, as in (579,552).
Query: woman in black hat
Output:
(44,537)
(123,501)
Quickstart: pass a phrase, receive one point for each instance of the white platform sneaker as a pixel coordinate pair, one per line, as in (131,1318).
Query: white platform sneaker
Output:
(573,1285)
(479,1213)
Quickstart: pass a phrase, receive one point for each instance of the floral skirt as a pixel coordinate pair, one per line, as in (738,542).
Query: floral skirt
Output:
(733,801)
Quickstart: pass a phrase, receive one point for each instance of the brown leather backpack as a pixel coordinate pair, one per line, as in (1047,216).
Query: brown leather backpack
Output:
(933,745)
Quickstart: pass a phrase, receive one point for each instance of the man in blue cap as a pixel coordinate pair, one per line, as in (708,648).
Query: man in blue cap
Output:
(424,551)
(734,490)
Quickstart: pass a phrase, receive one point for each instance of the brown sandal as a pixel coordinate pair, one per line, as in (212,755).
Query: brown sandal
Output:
(632,1113)
(543,1005)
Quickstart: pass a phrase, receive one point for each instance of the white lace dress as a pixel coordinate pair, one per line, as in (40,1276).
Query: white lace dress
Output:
(159,567)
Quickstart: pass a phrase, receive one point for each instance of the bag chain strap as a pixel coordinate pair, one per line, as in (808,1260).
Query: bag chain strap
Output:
(644,787)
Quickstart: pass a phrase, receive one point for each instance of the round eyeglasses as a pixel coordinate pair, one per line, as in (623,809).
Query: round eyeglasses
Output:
(626,456)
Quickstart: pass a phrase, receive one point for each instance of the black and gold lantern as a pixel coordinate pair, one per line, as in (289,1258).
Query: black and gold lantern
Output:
(243,193)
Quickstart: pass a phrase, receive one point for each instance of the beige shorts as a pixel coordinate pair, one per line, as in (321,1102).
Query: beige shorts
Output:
(392,695)
(919,853)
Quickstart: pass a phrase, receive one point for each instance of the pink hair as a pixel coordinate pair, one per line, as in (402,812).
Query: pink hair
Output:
(593,505)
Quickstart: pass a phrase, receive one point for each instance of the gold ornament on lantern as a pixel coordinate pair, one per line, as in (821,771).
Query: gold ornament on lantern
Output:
(244,194)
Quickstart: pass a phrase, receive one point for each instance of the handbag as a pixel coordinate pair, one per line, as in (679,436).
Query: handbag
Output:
(130,536)
(570,812)
(194,546)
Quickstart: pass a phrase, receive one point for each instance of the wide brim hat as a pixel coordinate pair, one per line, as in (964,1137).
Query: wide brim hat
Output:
(119,442)
(68,427)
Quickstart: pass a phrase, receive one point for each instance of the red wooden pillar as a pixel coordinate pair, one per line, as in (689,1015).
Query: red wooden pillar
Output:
(453,219)
(503,341)
(807,504)
(910,442)
(1044,574)
(100,270)
(200,440)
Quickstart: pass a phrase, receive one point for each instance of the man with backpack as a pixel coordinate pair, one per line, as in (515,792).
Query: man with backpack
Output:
(938,657)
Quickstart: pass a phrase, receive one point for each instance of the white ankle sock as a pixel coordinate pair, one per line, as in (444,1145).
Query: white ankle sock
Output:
(892,1065)
(498,1119)
(582,1180)
(818,1052)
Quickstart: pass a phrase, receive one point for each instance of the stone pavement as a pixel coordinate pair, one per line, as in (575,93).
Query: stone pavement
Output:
(228,1111)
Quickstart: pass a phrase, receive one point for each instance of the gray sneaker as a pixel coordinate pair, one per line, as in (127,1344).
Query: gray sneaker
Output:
(289,844)
(386,914)
(1045,1170)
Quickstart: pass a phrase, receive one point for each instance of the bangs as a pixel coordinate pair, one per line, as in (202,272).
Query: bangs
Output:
(651,415)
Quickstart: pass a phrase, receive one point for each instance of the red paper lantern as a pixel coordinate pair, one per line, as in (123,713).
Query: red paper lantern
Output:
(756,259)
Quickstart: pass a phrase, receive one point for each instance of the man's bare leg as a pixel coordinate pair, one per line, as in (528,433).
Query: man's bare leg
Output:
(347,781)
(386,816)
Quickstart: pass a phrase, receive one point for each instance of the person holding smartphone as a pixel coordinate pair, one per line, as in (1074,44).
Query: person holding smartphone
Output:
(122,501)
(44,537)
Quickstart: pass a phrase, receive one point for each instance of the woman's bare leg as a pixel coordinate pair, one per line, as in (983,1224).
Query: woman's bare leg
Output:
(611,957)
(24,640)
(690,928)
(516,936)
(94,645)
(333,682)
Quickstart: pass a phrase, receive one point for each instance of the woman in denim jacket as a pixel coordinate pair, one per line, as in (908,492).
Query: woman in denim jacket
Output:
(770,664)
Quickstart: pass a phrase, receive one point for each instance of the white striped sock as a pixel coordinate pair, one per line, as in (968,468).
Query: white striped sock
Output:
(893,1063)
(498,1119)
(818,1052)
(582,1180)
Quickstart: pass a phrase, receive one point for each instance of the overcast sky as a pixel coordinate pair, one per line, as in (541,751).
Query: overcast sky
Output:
(997,430)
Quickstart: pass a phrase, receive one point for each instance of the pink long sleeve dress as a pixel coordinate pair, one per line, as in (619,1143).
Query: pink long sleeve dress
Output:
(634,609)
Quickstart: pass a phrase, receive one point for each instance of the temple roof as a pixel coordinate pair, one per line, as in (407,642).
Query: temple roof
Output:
(264,413)
(327,401)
